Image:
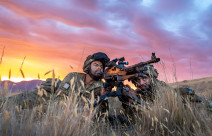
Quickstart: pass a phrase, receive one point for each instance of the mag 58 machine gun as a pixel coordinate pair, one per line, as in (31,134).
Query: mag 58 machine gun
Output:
(116,74)
(119,73)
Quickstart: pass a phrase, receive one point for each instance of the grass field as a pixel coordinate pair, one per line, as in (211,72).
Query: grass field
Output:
(168,115)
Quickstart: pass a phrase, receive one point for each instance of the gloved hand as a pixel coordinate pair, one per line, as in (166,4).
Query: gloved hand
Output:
(108,85)
(47,85)
(129,89)
(127,92)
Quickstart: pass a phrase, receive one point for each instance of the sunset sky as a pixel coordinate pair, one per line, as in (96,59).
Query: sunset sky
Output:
(59,34)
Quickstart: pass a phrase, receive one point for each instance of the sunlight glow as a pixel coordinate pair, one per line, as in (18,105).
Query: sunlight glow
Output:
(18,79)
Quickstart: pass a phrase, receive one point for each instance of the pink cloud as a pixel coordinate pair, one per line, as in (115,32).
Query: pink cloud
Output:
(91,5)
(70,15)
(12,24)
(173,5)
(35,29)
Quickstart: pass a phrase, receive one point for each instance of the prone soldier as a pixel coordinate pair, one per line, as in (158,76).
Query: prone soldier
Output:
(80,83)
(147,87)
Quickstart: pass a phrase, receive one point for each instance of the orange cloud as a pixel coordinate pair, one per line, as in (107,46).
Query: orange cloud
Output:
(57,34)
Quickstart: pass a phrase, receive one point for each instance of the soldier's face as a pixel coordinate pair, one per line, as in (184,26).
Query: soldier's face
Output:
(144,82)
(97,68)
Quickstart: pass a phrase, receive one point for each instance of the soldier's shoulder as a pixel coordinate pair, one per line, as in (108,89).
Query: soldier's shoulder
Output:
(75,74)
(161,83)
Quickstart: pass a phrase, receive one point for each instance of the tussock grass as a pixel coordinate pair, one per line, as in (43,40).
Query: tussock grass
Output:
(54,118)
(168,116)
(2,55)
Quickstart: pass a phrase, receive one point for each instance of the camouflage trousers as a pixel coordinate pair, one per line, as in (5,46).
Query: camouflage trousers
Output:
(27,100)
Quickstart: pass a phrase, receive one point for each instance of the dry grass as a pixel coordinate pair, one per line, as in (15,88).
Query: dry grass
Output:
(58,119)
(2,55)
(202,86)
(167,116)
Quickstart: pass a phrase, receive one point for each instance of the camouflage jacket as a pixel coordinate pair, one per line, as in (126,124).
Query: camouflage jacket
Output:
(73,82)
(156,91)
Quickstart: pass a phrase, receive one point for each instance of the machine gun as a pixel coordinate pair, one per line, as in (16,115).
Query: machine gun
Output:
(119,73)
(116,74)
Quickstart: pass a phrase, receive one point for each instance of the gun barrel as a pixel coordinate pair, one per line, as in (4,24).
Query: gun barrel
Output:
(130,68)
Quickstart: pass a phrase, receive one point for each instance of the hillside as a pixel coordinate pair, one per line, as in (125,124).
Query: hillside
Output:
(20,86)
(202,86)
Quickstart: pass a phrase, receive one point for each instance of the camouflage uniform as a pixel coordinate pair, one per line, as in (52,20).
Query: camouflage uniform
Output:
(34,98)
(75,83)
(72,83)
(156,85)
(130,115)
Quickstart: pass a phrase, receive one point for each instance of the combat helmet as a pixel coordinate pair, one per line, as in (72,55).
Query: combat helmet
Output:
(102,57)
(148,70)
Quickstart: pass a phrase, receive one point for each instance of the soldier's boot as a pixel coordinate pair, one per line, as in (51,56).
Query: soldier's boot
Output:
(2,100)
(209,105)
(184,92)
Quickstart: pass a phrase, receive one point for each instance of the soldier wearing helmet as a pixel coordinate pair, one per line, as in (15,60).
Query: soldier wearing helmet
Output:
(86,83)
(90,80)
(147,88)
(80,83)
(147,85)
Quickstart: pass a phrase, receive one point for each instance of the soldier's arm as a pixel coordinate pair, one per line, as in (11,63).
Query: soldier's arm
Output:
(104,106)
(128,92)
(65,85)
(26,100)
(35,97)
(125,99)
(50,86)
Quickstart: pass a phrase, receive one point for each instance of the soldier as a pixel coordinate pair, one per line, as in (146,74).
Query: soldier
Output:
(147,88)
(85,84)
(40,95)
(82,83)
(148,85)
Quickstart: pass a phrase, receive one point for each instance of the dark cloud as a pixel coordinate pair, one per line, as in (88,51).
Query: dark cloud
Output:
(91,5)
(174,6)
(68,15)
(60,31)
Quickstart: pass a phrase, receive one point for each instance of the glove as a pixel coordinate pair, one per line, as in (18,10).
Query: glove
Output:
(126,92)
(108,85)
